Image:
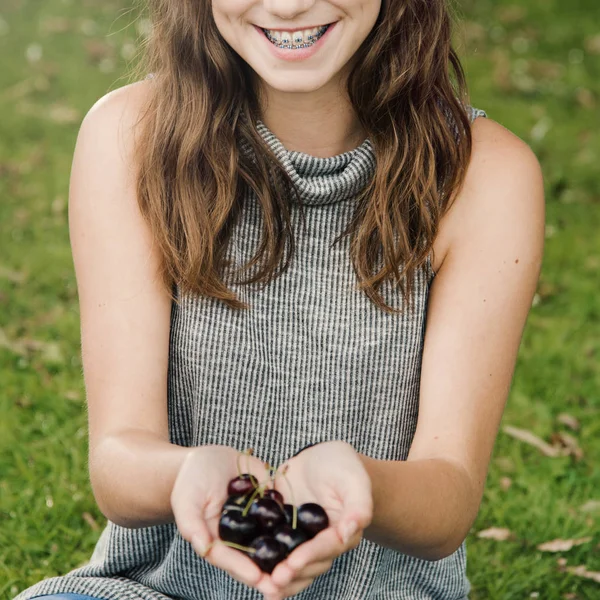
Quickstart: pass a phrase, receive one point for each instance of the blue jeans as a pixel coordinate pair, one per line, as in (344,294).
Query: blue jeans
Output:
(67,597)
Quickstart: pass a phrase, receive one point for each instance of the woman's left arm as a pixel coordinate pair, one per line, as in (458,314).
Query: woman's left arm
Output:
(478,307)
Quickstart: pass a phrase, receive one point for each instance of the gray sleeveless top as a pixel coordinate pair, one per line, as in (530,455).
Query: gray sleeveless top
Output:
(312,360)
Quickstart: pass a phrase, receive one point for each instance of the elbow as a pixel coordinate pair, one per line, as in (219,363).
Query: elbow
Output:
(440,552)
(103,488)
(109,509)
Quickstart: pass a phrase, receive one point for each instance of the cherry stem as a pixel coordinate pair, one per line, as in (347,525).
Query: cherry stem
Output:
(284,470)
(258,490)
(248,452)
(236,546)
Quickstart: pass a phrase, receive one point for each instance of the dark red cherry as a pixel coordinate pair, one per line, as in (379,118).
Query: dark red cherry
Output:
(290,538)
(235,503)
(274,495)
(288,510)
(268,513)
(312,518)
(269,552)
(234,527)
(243,484)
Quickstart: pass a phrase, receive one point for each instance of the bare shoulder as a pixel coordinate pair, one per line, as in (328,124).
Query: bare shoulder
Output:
(497,151)
(114,115)
(503,187)
(502,167)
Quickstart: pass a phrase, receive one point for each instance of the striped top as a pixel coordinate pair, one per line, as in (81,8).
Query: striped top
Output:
(311,360)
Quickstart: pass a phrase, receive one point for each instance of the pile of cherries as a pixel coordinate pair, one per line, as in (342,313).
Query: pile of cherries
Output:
(256,521)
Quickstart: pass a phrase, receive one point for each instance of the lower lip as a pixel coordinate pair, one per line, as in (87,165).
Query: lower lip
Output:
(299,54)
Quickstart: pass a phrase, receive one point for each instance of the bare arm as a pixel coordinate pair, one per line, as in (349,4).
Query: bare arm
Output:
(478,306)
(125,321)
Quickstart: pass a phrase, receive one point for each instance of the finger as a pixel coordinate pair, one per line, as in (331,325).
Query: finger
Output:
(327,544)
(191,525)
(284,575)
(266,587)
(358,499)
(294,588)
(238,565)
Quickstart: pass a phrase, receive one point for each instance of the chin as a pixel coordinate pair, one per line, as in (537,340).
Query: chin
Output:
(293,83)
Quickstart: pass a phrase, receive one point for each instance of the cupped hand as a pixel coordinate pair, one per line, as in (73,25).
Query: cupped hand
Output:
(198,495)
(332,475)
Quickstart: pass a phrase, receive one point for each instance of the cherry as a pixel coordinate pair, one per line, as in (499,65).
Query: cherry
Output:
(289,537)
(242,484)
(236,528)
(312,518)
(274,495)
(268,552)
(288,510)
(268,513)
(234,503)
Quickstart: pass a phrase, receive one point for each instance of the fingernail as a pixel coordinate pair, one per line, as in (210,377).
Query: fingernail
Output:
(348,530)
(200,546)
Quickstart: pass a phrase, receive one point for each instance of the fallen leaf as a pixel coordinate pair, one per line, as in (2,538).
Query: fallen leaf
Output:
(561,562)
(14,276)
(585,98)
(569,421)
(505,464)
(23,402)
(73,395)
(98,49)
(581,571)
(511,13)
(501,71)
(562,545)
(52,353)
(474,32)
(592,44)
(90,521)
(590,506)
(60,113)
(505,483)
(55,25)
(59,205)
(533,440)
(568,442)
(500,534)
(18,90)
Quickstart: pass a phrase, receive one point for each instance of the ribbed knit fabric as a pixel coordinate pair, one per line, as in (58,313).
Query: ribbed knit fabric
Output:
(312,360)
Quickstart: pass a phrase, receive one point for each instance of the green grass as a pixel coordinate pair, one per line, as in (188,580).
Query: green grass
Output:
(533,66)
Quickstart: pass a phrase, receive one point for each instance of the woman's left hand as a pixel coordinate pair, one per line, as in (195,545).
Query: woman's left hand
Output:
(332,475)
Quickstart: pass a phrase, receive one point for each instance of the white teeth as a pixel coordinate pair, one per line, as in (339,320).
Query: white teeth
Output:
(302,36)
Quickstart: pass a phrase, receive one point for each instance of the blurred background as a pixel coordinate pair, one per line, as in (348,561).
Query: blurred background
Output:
(533,65)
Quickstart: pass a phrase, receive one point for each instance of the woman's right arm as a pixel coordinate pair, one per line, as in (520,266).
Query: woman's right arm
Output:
(125,320)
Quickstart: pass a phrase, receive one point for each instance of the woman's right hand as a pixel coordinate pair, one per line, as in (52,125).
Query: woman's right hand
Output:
(199,492)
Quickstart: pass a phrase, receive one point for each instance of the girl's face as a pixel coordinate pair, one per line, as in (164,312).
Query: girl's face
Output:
(241,23)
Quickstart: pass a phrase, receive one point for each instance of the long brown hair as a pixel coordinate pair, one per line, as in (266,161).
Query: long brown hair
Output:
(409,91)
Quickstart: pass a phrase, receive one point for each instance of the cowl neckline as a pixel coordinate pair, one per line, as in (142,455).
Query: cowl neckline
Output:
(324,180)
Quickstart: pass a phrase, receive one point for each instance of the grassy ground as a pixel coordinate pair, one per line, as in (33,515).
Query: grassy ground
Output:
(534,66)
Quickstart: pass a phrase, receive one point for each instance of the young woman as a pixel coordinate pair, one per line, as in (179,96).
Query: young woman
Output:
(296,232)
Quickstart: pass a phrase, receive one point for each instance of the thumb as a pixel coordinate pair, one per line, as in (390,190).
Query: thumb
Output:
(357,512)
(190,519)
(346,529)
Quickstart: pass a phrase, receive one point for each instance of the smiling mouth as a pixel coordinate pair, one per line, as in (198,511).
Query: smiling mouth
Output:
(288,30)
(298,39)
